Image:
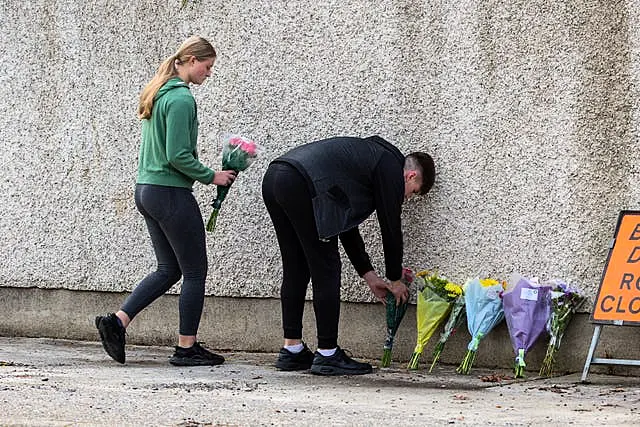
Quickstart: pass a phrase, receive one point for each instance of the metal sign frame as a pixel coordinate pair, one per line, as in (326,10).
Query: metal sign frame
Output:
(600,323)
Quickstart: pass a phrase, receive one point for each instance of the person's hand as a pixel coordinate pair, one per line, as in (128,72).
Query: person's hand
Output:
(377,285)
(225,178)
(399,291)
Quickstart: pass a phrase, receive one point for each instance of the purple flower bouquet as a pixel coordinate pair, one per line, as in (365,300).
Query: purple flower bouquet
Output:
(526,311)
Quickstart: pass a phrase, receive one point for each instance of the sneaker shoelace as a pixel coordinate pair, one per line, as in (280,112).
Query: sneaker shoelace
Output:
(200,350)
(344,354)
(347,355)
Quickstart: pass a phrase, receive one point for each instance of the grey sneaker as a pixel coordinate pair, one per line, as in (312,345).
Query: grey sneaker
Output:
(338,364)
(195,356)
(112,336)
(288,361)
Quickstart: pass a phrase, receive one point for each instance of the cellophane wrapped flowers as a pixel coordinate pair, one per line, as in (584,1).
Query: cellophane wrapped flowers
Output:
(238,153)
(526,311)
(394,315)
(456,316)
(433,306)
(564,301)
(484,311)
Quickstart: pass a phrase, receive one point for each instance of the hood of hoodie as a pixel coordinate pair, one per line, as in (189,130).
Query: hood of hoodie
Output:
(172,83)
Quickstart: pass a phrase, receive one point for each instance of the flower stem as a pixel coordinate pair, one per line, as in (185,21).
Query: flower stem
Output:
(467,362)
(546,370)
(520,364)
(414,362)
(211,224)
(437,351)
(386,358)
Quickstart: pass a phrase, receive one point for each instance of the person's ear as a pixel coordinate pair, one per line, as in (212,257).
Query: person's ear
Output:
(411,174)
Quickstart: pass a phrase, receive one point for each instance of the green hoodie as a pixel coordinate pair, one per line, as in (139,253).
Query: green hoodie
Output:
(168,153)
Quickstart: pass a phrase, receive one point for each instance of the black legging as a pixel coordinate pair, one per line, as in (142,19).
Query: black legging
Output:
(304,256)
(177,233)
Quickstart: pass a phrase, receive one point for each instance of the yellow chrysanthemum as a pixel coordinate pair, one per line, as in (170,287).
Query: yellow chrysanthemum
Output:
(423,273)
(488,282)
(453,289)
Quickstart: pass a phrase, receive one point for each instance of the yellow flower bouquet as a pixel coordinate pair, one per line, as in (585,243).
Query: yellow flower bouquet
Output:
(434,304)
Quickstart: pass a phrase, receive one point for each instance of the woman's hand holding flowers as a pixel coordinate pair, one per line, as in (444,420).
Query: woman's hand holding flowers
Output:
(225,177)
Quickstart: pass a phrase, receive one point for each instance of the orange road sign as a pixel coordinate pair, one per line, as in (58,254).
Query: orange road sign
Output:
(618,299)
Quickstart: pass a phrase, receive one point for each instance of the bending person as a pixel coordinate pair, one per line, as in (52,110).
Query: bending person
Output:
(316,194)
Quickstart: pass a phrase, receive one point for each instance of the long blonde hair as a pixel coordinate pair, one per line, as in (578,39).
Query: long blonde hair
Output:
(195,46)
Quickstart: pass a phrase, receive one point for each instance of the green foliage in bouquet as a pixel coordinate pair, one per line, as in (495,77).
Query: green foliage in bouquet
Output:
(565,300)
(456,317)
(394,315)
(238,154)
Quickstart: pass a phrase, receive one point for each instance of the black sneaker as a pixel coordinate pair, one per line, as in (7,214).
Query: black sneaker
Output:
(112,336)
(195,356)
(288,361)
(338,364)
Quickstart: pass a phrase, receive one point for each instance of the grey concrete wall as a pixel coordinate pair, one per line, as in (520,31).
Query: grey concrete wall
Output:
(529,108)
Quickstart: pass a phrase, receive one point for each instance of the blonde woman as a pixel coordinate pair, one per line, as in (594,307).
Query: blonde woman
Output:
(167,168)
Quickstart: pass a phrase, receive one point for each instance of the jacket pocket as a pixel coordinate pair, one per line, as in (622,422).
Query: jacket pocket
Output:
(331,210)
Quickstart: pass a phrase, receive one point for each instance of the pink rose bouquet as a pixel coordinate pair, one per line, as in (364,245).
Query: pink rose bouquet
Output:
(238,154)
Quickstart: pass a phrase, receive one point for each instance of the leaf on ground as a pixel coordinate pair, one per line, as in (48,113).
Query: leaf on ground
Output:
(555,389)
(495,378)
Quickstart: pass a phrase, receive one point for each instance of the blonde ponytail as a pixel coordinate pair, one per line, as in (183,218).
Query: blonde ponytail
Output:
(195,46)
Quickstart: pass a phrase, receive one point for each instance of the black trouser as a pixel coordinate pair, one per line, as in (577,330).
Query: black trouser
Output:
(304,256)
(177,233)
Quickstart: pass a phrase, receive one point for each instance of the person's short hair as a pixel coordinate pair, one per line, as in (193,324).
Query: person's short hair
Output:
(423,163)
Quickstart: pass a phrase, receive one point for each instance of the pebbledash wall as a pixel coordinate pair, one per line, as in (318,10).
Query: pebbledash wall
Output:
(528,107)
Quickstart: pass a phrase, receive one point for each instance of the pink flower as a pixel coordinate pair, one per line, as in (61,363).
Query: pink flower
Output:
(236,141)
(249,147)
(407,275)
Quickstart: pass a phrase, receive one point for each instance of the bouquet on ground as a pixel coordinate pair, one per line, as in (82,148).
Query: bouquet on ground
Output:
(238,154)
(484,312)
(394,314)
(450,327)
(526,311)
(433,305)
(564,301)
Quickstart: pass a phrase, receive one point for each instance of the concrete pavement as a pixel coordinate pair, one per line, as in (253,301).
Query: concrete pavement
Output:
(45,382)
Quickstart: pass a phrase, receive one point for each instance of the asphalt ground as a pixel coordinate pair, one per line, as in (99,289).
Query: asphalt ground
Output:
(45,382)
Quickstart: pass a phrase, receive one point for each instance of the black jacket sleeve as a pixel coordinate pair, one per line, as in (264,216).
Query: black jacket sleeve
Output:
(354,247)
(388,184)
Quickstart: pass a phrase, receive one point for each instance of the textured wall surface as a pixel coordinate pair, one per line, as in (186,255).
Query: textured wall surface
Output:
(528,107)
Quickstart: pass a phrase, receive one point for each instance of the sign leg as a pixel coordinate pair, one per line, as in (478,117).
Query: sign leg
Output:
(592,350)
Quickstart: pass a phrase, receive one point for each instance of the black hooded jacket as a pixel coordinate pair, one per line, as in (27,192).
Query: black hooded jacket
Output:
(350,178)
